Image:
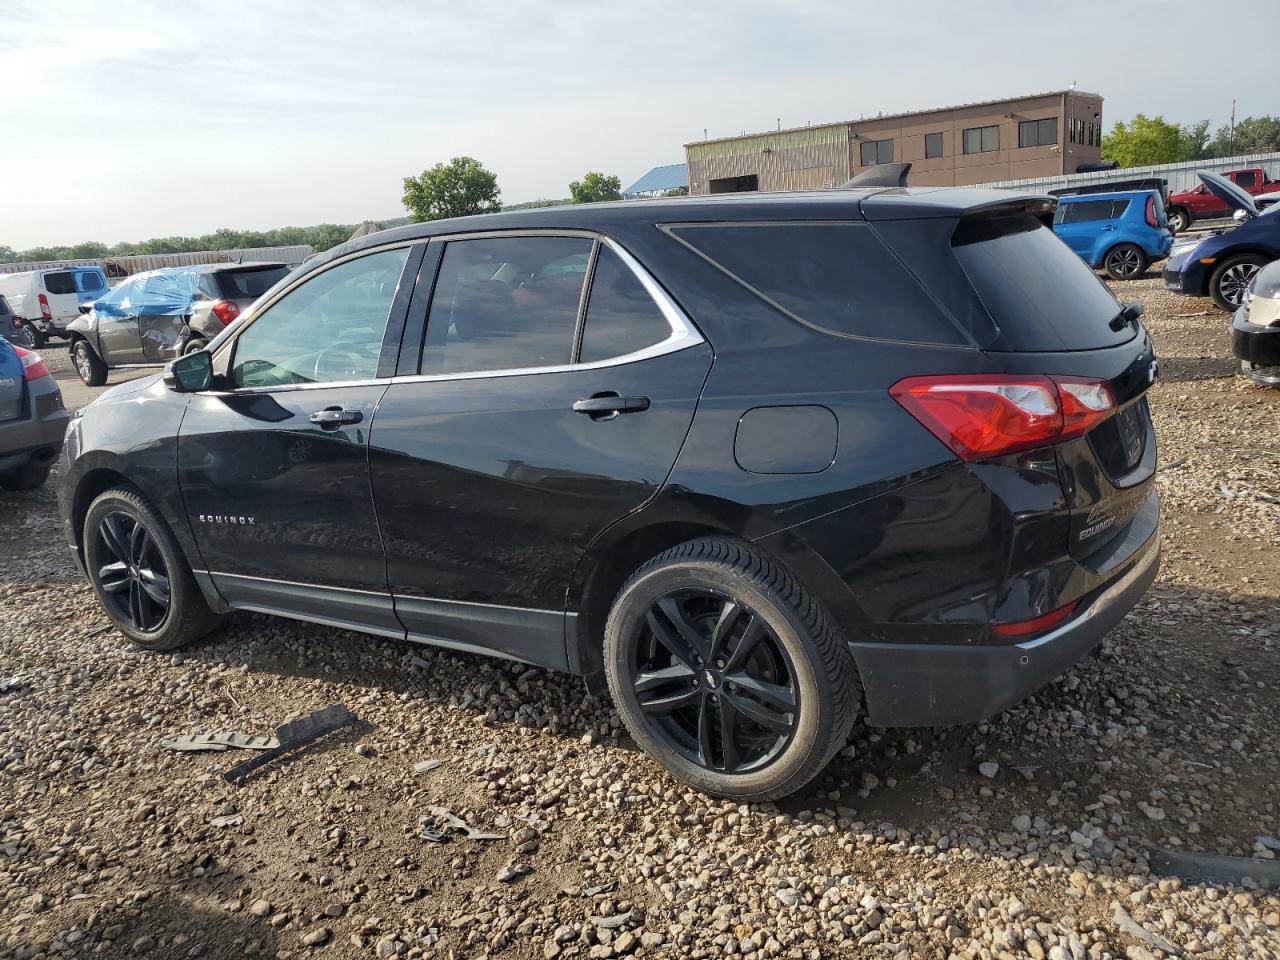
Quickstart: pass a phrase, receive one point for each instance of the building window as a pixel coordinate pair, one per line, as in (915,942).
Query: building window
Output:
(932,146)
(981,139)
(876,151)
(1038,133)
(734,184)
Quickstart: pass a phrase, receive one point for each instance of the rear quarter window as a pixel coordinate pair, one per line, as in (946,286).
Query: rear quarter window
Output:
(837,277)
(62,282)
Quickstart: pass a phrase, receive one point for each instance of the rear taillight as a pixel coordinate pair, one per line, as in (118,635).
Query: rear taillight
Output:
(45,312)
(980,416)
(1152,220)
(33,367)
(226,310)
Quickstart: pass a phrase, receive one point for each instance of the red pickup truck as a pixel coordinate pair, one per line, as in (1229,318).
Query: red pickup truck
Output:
(1189,206)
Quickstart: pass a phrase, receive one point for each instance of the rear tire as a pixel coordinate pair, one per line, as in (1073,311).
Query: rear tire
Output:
(90,366)
(1125,261)
(1179,219)
(27,477)
(193,345)
(39,340)
(728,672)
(139,574)
(1231,278)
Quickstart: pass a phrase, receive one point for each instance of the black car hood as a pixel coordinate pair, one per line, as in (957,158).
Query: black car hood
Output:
(1228,192)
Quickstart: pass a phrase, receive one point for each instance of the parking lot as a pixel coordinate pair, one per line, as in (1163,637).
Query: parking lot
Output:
(1024,836)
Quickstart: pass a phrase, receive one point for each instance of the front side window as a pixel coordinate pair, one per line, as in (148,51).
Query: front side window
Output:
(1038,133)
(328,329)
(91,282)
(505,303)
(981,139)
(876,151)
(621,316)
(932,146)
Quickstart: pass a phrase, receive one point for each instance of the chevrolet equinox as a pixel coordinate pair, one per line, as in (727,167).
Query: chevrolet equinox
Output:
(759,464)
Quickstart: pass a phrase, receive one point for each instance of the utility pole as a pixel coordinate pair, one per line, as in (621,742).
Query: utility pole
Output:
(1232,148)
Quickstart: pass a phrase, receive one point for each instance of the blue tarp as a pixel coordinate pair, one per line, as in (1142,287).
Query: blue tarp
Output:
(169,291)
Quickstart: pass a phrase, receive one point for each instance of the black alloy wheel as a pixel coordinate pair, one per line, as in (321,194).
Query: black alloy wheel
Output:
(1125,261)
(714,681)
(134,578)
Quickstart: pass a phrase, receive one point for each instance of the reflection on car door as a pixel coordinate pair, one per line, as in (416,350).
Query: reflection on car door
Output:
(274,468)
(541,417)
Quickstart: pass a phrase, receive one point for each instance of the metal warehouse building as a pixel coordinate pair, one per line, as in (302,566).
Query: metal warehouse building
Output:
(1042,135)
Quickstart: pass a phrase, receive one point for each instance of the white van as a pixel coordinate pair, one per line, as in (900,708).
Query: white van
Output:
(48,300)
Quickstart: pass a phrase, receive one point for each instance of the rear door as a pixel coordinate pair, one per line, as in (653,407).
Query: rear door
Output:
(554,389)
(90,284)
(59,289)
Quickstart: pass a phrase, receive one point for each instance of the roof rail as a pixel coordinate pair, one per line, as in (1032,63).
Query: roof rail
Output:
(881,175)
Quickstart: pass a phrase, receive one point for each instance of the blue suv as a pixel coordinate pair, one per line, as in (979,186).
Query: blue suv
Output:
(1121,233)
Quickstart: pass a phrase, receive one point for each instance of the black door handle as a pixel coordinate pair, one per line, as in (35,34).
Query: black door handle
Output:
(606,406)
(331,417)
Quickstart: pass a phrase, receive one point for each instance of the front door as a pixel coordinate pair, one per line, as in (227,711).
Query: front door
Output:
(274,467)
(541,416)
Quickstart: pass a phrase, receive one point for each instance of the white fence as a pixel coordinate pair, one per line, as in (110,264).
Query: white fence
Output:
(116,266)
(1181,176)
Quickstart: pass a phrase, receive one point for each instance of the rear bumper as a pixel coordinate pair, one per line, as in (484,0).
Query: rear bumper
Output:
(925,685)
(22,441)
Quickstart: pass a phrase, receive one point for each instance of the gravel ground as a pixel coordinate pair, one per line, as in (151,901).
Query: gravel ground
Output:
(1024,836)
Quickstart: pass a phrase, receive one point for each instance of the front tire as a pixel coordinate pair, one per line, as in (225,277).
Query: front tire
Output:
(1125,261)
(1231,279)
(90,367)
(139,574)
(728,672)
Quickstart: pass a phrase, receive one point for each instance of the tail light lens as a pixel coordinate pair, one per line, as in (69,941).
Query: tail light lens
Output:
(33,367)
(979,417)
(1152,219)
(1025,628)
(226,310)
(45,312)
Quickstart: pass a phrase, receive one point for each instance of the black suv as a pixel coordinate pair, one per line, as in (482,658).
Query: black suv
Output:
(760,463)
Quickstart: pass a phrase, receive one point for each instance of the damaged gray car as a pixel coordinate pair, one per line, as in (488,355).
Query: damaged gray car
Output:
(152,317)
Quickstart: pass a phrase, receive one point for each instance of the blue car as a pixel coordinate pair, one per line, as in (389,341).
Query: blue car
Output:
(1121,233)
(1223,264)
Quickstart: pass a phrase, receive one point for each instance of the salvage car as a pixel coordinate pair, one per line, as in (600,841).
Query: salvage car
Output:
(32,418)
(48,300)
(1222,264)
(756,464)
(1202,203)
(1255,328)
(1122,232)
(12,328)
(154,316)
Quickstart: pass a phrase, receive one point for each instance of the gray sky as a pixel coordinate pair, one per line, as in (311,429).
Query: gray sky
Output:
(131,119)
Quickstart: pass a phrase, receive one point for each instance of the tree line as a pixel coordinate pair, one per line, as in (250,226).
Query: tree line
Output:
(1145,141)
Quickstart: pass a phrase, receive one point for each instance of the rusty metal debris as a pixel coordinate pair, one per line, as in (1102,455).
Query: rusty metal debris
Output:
(1212,867)
(441,821)
(216,742)
(292,735)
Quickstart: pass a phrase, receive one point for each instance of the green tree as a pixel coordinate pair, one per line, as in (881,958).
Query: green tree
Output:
(1251,135)
(1193,141)
(458,188)
(7,254)
(1144,140)
(595,187)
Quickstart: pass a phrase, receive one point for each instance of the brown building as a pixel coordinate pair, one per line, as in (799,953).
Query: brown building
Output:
(1044,135)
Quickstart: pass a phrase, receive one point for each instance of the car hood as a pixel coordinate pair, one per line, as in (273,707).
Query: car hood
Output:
(130,388)
(1228,192)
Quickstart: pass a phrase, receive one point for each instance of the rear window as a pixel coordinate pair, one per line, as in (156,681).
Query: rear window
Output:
(838,277)
(249,284)
(1040,294)
(63,282)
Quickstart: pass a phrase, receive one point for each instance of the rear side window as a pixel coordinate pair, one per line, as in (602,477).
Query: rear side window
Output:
(1040,294)
(621,316)
(505,304)
(1246,179)
(1084,211)
(835,276)
(62,282)
(249,284)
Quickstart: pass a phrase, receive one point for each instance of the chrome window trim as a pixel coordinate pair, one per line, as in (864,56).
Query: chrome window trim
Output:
(682,336)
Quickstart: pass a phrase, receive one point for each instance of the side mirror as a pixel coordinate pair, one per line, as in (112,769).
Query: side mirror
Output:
(191,373)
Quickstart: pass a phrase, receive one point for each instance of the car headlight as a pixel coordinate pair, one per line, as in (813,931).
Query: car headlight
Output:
(1263,311)
(1183,246)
